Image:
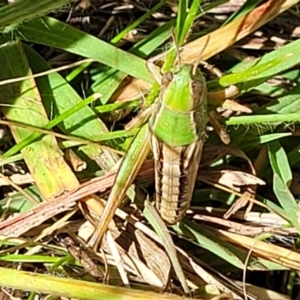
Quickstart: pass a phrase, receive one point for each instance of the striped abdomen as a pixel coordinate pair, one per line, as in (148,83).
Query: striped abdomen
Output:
(175,175)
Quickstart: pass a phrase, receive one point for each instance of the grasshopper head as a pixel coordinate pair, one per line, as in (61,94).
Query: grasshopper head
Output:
(182,90)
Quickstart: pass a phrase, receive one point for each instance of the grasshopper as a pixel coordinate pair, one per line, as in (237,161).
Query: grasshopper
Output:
(177,134)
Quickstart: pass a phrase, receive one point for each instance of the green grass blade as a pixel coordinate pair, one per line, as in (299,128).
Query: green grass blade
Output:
(263,68)
(116,106)
(56,34)
(283,110)
(71,288)
(74,116)
(119,134)
(162,231)
(19,203)
(23,102)
(189,19)
(48,126)
(294,156)
(77,71)
(137,22)
(266,138)
(281,180)
(24,10)
(208,241)
(253,73)
(181,15)
(279,162)
(271,119)
(288,103)
(287,201)
(153,41)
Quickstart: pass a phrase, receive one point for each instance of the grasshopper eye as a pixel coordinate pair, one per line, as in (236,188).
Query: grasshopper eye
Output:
(197,86)
(166,79)
(199,91)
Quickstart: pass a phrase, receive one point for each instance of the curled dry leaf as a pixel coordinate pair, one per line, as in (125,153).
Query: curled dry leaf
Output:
(241,202)
(251,187)
(235,106)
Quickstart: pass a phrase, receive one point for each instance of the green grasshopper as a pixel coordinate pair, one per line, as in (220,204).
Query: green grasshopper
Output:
(177,133)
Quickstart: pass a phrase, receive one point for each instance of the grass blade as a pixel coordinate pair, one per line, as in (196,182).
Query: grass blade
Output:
(72,288)
(23,10)
(23,102)
(209,242)
(162,231)
(53,33)
(281,180)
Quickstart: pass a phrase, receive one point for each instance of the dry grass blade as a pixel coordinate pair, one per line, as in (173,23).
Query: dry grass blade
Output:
(44,211)
(230,178)
(286,257)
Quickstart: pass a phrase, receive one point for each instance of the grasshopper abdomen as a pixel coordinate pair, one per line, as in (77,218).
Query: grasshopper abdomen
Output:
(177,134)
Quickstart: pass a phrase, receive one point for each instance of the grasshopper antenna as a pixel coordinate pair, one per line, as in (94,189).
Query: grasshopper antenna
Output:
(199,57)
(176,46)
